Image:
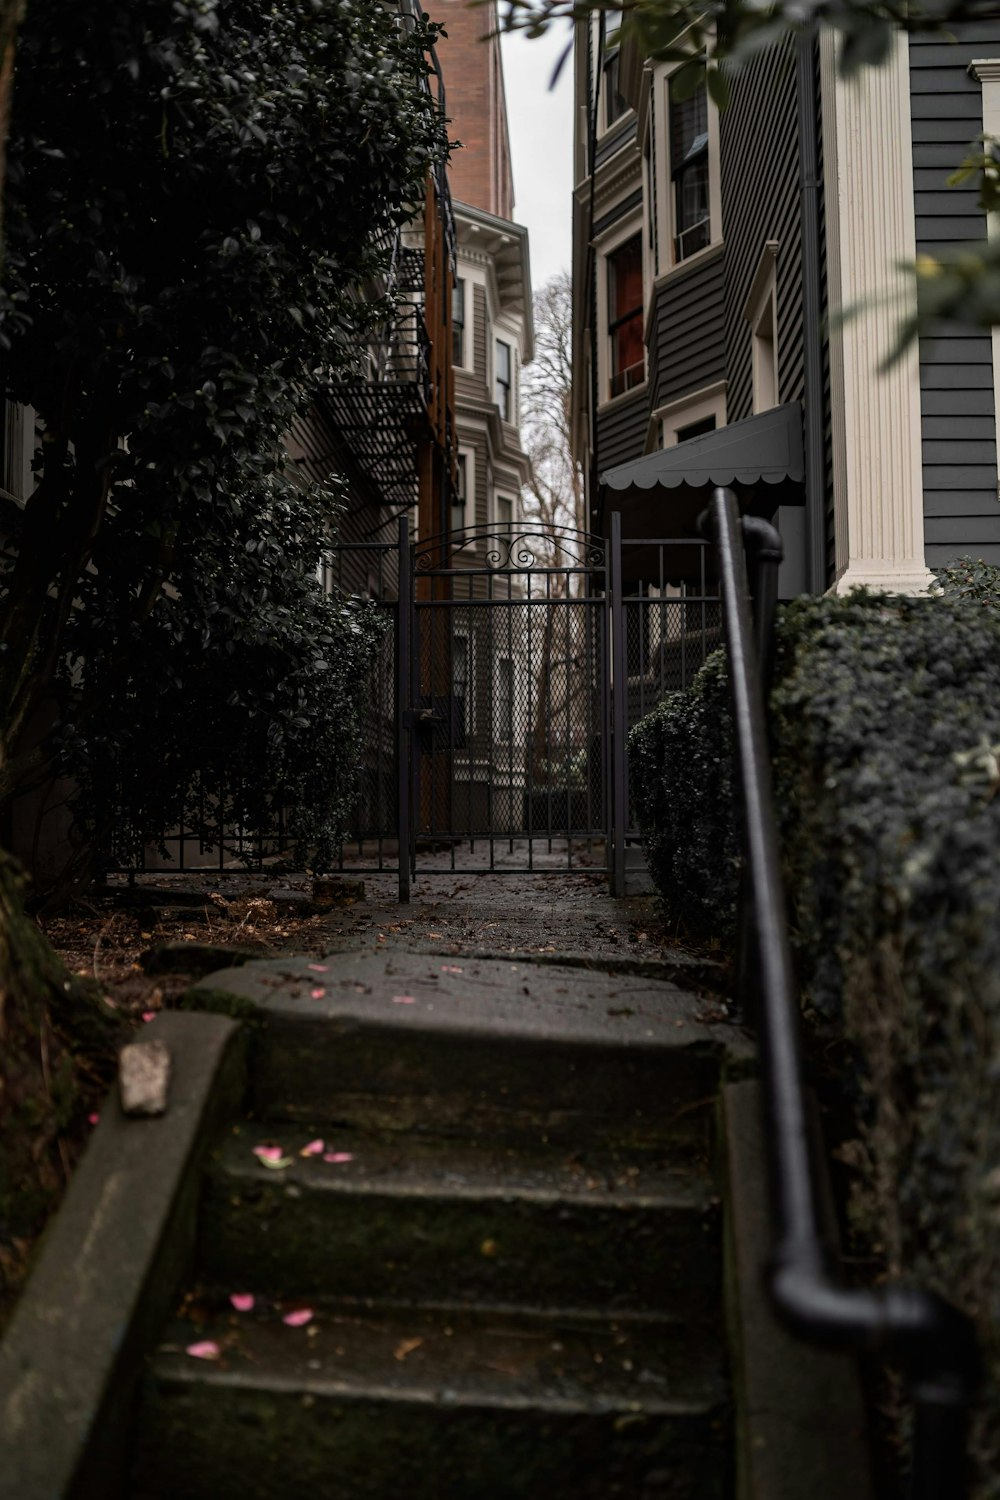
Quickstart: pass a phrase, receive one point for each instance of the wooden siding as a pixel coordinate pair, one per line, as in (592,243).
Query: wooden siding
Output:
(621,431)
(958,413)
(627,206)
(687,341)
(612,142)
(479,321)
(760,202)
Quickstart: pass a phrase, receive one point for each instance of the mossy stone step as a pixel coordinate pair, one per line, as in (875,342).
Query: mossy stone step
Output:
(433,1405)
(477,1046)
(410,1217)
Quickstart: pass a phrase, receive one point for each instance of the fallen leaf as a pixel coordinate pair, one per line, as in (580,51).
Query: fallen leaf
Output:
(299,1318)
(276,1164)
(205,1350)
(405,1347)
(242,1301)
(435,934)
(314,1148)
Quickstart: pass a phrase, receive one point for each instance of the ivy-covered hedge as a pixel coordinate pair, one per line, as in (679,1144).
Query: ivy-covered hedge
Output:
(886,735)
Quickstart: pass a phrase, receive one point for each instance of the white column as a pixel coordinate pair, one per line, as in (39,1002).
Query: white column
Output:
(877,474)
(986,70)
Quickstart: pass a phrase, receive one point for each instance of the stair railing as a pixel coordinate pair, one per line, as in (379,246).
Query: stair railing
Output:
(917,1330)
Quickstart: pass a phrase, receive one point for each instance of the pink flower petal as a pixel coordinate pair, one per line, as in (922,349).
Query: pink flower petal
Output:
(314,1148)
(242,1301)
(339,1156)
(404,1000)
(299,1318)
(268,1153)
(205,1350)
(93,1119)
(317,994)
(149,1015)
(450,969)
(319,968)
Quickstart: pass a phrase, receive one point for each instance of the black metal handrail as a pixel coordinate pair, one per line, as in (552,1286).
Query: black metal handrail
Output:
(933,1343)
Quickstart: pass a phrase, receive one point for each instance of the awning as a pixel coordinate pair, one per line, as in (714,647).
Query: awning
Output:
(761,458)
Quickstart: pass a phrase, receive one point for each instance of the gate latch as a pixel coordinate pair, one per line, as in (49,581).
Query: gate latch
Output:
(421,718)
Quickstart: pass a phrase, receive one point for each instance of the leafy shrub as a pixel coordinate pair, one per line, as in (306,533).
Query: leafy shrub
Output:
(680,771)
(886,728)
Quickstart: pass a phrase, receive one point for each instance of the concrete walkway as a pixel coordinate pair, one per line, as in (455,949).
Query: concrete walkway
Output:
(547,915)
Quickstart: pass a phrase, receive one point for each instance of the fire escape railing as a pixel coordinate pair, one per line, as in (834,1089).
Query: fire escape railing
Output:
(390,403)
(917,1330)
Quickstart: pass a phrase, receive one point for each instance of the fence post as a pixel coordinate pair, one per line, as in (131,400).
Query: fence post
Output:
(404,616)
(619,705)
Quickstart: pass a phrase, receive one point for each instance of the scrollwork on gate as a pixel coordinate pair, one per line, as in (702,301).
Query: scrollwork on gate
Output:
(520,548)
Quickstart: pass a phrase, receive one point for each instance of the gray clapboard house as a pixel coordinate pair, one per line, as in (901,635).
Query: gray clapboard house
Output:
(712,256)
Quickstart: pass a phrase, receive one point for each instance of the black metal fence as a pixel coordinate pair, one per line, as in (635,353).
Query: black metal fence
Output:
(496,711)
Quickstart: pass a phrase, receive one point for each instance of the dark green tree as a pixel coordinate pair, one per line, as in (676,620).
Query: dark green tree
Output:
(196,192)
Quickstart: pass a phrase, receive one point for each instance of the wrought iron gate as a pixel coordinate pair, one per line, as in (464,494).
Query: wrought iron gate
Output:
(489,741)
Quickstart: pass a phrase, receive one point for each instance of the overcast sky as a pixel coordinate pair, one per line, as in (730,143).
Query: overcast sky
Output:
(541,142)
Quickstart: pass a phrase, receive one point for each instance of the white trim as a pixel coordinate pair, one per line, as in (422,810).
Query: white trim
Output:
(986,71)
(503,491)
(761,312)
(871,240)
(468,452)
(468,332)
(710,401)
(618,234)
(660,107)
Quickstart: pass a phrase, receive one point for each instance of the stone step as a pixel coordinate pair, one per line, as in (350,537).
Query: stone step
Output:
(408,1217)
(433,1404)
(478,1046)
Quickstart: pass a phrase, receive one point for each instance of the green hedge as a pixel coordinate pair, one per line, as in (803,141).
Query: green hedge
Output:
(680,773)
(886,732)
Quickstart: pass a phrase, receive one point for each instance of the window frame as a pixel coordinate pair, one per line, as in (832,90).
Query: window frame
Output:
(506,406)
(465,635)
(610,111)
(499,737)
(664,234)
(459,324)
(668,420)
(697,156)
(635,314)
(761,312)
(504,499)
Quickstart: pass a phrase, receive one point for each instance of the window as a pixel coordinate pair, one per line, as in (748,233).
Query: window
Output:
(458,322)
(502,380)
(761,312)
(459,496)
(505,511)
(460,678)
(689,171)
(628,355)
(505,700)
(614,105)
(696,429)
(690,416)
